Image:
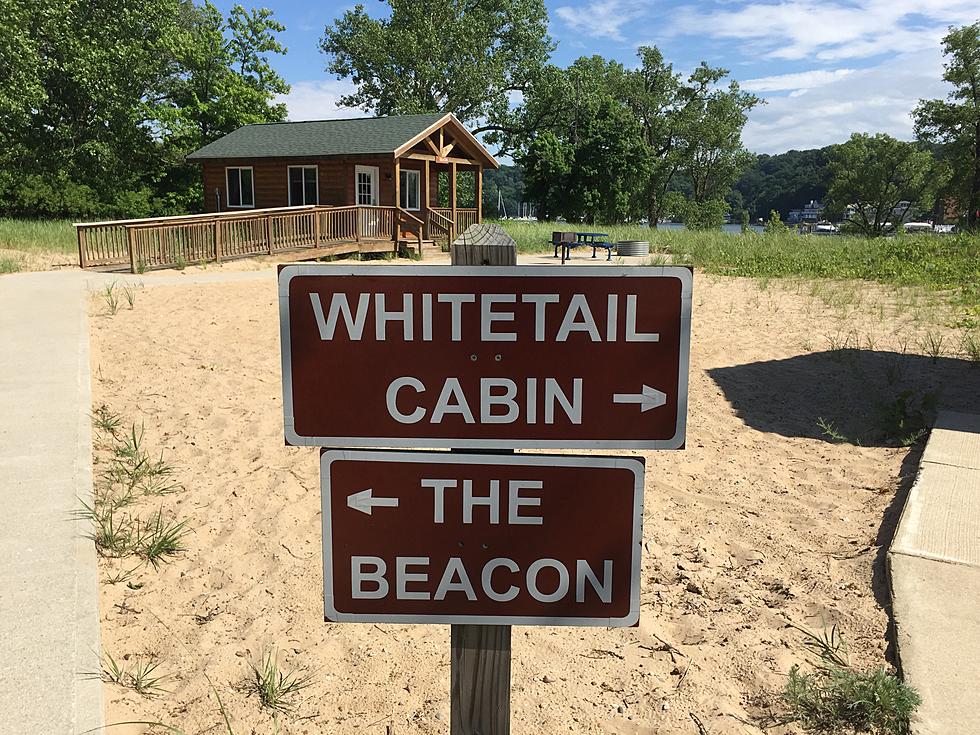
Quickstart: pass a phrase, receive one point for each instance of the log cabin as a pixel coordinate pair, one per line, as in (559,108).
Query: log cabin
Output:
(428,165)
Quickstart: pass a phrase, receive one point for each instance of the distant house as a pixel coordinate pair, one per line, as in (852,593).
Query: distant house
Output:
(382,161)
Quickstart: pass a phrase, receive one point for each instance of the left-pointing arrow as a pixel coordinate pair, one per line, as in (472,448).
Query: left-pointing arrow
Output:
(365,502)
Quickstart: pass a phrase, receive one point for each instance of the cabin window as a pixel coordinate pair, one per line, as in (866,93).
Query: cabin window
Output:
(303,186)
(410,183)
(241,193)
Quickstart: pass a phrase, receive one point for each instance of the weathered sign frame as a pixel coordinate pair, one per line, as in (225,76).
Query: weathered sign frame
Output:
(633,464)
(684,274)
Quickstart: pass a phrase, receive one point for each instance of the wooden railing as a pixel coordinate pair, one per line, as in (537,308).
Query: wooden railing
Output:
(172,241)
(464,217)
(408,223)
(441,227)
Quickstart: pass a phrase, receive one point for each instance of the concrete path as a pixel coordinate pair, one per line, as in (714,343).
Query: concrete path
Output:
(935,576)
(49,609)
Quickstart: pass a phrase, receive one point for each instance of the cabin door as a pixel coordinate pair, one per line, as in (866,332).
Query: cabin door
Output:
(366,195)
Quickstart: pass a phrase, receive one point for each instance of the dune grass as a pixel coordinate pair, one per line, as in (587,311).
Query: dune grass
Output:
(56,235)
(940,263)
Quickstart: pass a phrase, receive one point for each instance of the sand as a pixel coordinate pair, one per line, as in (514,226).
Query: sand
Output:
(762,522)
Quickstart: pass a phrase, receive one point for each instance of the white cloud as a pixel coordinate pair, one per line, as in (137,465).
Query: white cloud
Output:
(827,31)
(796,82)
(602,18)
(877,99)
(319,100)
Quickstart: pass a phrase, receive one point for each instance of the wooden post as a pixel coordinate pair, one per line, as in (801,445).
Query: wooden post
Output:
(132,249)
(452,198)
(479,194)
(426,203)
(480,680)
(268,233)
(398,202)
(479,660)
(316,227)
(82,235)
(217,240)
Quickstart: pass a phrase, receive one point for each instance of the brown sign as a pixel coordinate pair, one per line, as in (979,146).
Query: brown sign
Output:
(483,357)
(439,537)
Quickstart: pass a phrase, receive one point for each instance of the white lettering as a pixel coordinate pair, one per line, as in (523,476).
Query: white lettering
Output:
(456,301)
(488,316)
(540,301)
(532,580)
(451,389)
(516,502)
(492,501)
(426,317)
(340,306)
(455,569)
(358,576)
(553,394)
(486,578)
(382,317)
(631,334)
(403,577)
(578,305)
(488,400)
(439,488)
(391,398)
(532,401)
(583,573)
(612,313)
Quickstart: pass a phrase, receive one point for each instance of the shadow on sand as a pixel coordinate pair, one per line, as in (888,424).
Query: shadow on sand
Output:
(868,397)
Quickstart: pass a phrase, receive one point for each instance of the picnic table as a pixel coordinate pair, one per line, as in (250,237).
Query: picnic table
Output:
(568,240)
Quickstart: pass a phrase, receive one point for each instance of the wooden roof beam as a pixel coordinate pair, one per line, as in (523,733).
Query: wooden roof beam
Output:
(441,159)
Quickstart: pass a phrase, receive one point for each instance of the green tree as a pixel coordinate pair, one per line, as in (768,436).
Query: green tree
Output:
(955,121)
(505,185)
(224,81)
(785,181)
(711,151)
(880,181)
(441,56)
(689,127)
(112,94)
(588,163)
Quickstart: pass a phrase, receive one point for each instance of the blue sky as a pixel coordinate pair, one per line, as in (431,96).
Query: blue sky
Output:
(827,68)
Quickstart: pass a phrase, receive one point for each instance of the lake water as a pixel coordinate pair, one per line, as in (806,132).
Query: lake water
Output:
(735,229)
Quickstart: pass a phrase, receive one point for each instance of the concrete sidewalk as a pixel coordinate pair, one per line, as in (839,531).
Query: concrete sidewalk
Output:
(934,565)
(49,608)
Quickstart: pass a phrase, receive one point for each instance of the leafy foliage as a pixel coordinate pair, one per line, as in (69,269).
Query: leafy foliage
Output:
(618,142)
(835,698)
(440,56)
(882,181)
(955,121)
(111,95)
(509,182)
(783,182)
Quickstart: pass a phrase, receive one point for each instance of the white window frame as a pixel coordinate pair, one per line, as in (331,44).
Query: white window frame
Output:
(228,188)
(409,173)
(289,188)
(375,173)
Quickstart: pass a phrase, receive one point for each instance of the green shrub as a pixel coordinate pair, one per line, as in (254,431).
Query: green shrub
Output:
(834,698)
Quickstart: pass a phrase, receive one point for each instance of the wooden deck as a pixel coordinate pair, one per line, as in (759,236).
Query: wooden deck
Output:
(304,232)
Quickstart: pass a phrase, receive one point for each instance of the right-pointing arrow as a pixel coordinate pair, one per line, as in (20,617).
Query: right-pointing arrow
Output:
(649,398)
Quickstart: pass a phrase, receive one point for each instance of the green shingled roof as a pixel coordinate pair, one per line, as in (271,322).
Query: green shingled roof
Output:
(318,138)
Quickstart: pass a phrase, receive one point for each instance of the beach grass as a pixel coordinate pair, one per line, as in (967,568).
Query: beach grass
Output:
(38,235)
(949,263)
